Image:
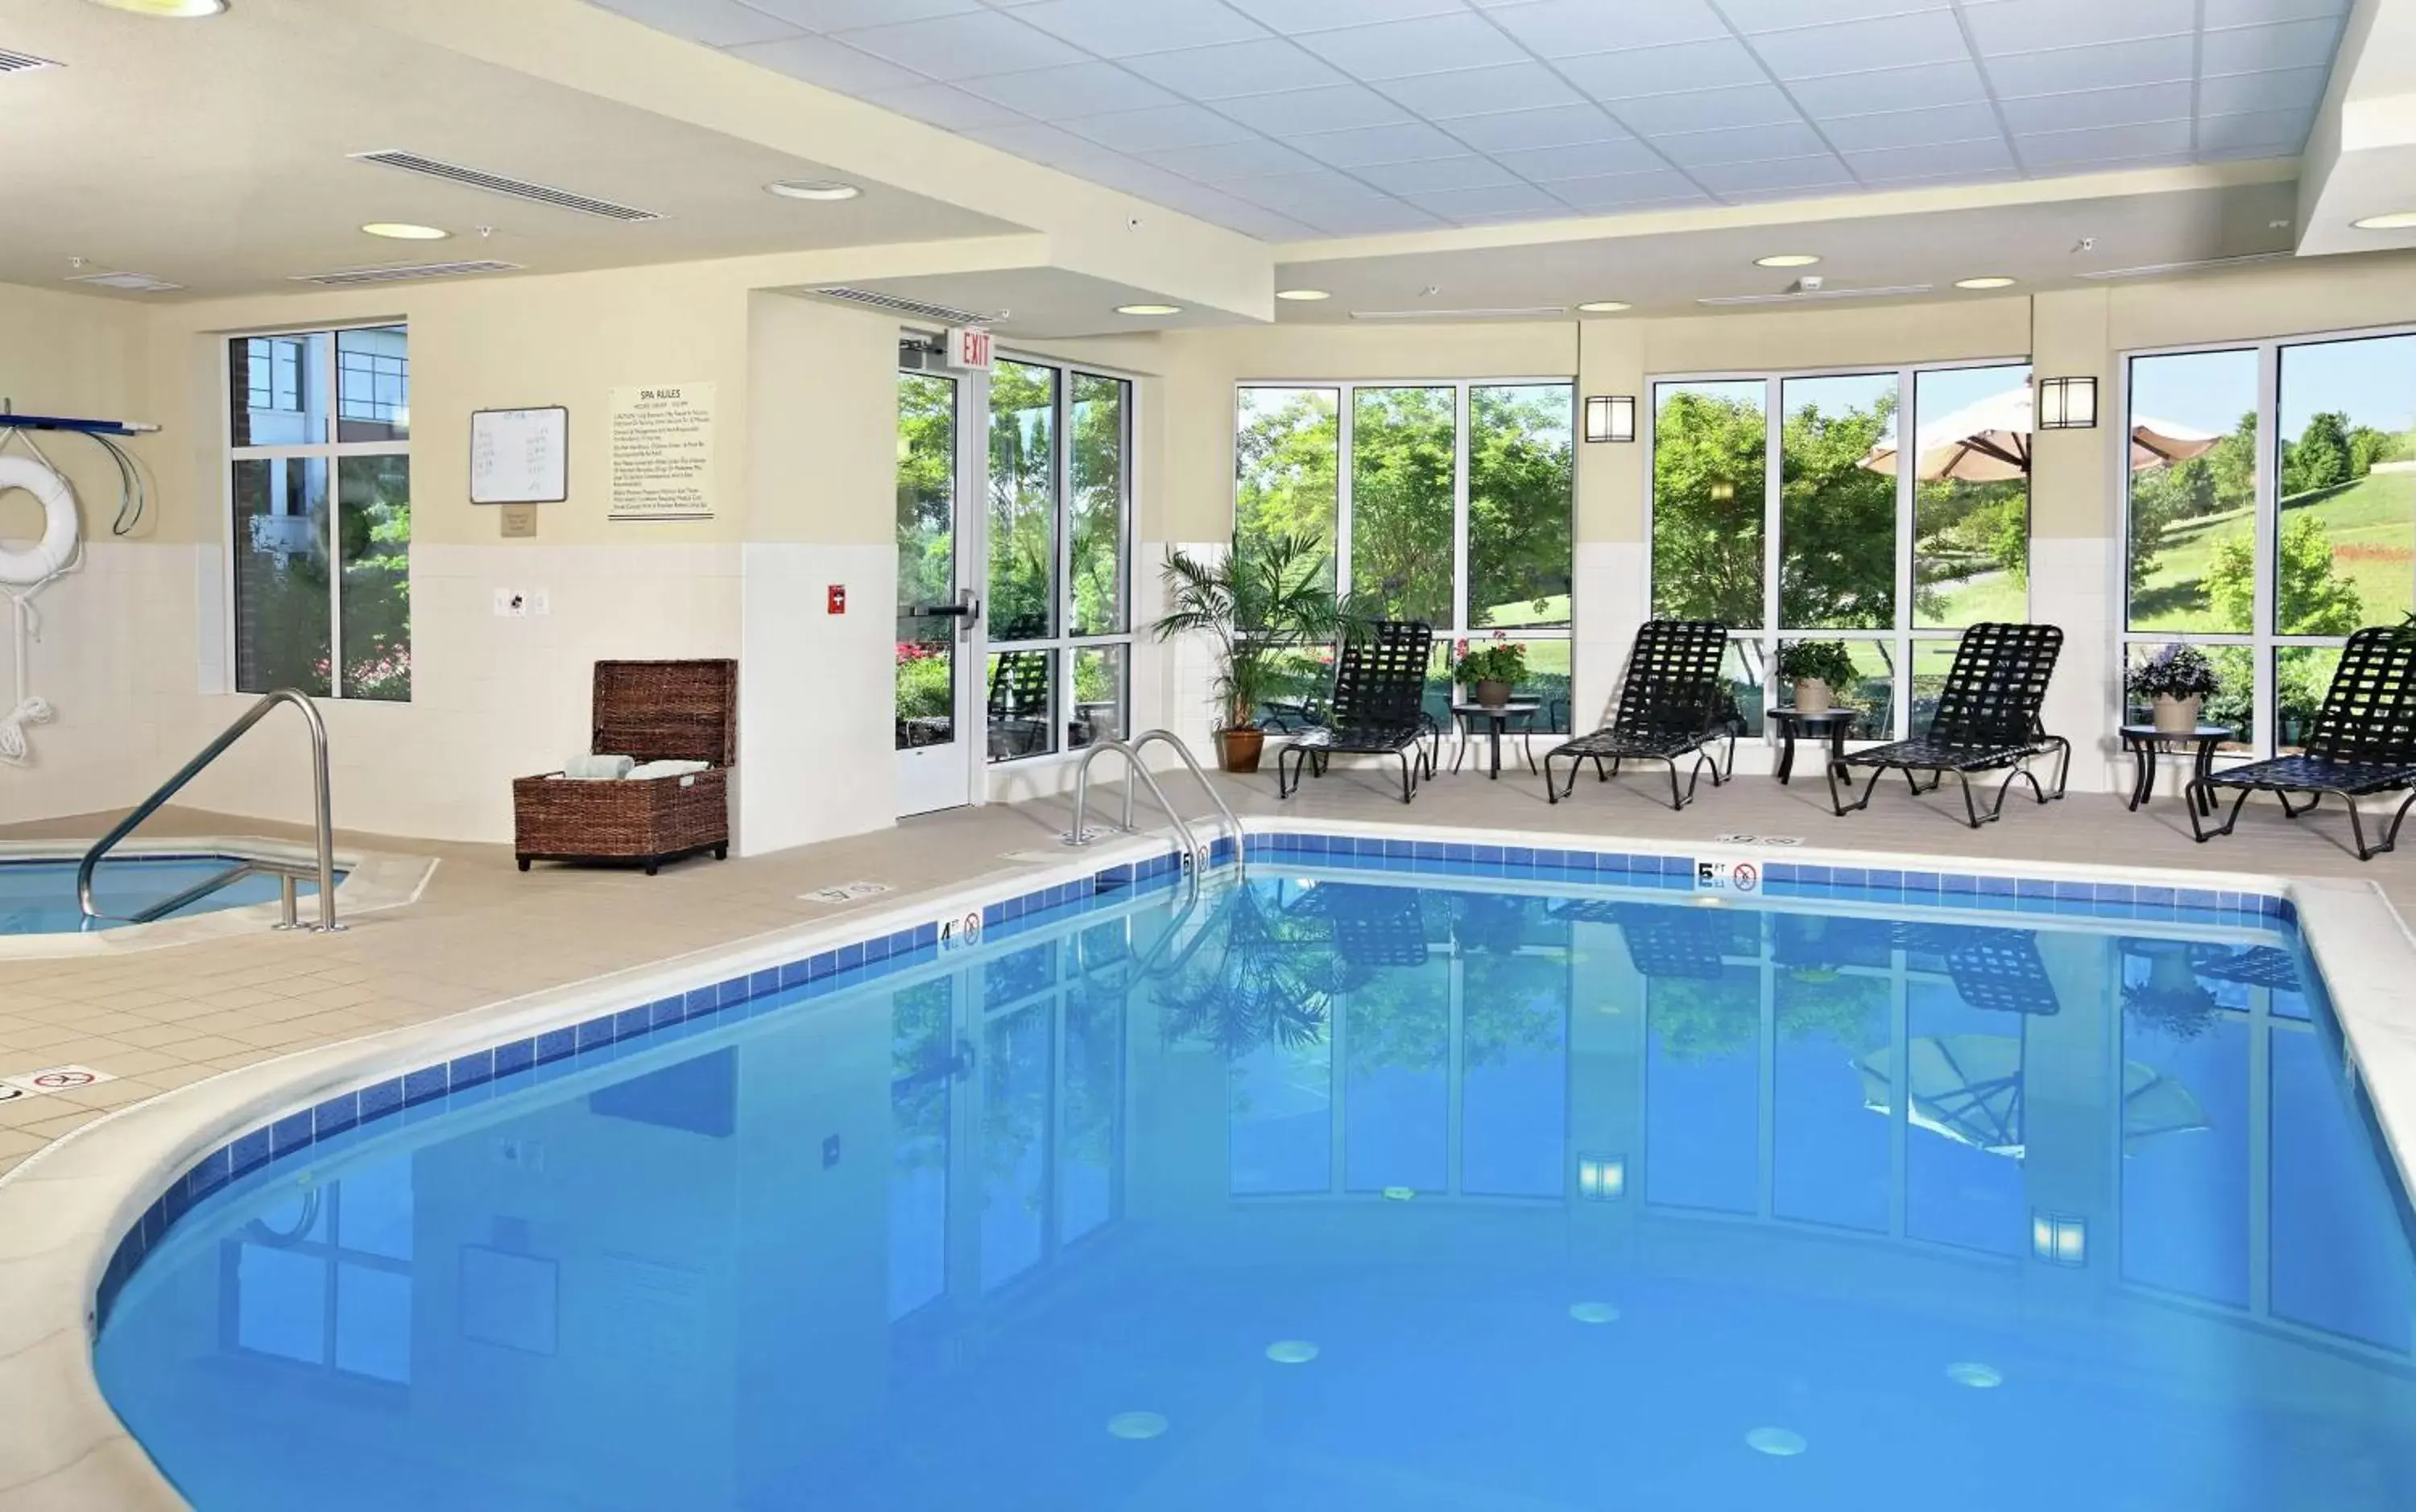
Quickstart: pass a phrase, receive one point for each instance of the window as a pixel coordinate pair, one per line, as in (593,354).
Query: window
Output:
(1447,503)
(2268,555)
(325,1280)
(318,488)
(1851,536)
(1060,582)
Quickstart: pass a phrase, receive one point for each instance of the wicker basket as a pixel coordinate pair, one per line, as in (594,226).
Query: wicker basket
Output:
(654,711)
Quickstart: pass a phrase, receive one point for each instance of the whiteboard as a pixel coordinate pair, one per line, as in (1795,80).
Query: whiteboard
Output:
(520,456)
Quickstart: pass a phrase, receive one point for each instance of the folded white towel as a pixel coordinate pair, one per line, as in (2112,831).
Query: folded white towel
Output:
(599,768)
(648,770)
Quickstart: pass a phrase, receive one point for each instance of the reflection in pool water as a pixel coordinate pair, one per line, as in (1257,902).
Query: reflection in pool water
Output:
(2001,1212)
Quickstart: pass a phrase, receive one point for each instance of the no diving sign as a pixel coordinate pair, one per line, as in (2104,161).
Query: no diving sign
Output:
(54,1079)
(1727,876)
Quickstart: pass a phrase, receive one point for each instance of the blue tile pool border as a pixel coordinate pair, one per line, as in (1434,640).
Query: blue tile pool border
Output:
(476,1074)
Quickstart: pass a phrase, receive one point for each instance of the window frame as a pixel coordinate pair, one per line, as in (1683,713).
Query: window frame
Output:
(1064,646)
(328,450)
(2266,642)
(1346,399)
(1907,636)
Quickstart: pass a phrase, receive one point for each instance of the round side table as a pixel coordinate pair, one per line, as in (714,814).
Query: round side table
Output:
(1496,718)
(1836,723)
(2146,743)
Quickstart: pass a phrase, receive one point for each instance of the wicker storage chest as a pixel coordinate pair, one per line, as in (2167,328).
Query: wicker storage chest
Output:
(654,711)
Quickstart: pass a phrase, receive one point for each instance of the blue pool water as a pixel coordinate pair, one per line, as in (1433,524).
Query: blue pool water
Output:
(38,897)
(1348,1191)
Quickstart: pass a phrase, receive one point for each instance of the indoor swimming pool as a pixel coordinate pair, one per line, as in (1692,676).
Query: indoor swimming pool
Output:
(38,897)
(1363,1184)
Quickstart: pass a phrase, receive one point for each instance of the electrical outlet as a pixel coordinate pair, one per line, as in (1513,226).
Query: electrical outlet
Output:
(540,602)
(511,604)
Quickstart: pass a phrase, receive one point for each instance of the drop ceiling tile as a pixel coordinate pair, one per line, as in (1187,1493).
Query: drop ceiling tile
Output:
(2109,66)
(943,105)
(1926,87)
(2098,107)
(2252,130)
(714,22)
(1710,109)
(1915,180)
(1555,125)
(2297,44)
(1498,202)
(1071,89)
(1516,86)
(1432,44)
(1664,71)
(1294,17)
(1373,217)
(2284,89)
(1368,144)
(1467,171)
(1629,191)
(1217,162)
(1121,29)
(1233,69)
(963,47)
(1806,176)
(1153,130)
(1892,129)
(2254,12)
(1934,159)
(1743,145)
(839,15)
(1309,196)
(1589,160)
(1856,47)
(1037,140)
(1227,209)
(1566,28)
(1774,15)
(2107,143)
(1336,108)
(817,60)
(2023,25)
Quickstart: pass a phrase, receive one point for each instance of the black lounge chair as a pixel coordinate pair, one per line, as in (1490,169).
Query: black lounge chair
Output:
(1671,705)
(2363,742)
(1986,720)
(1019,703)
(1380,684)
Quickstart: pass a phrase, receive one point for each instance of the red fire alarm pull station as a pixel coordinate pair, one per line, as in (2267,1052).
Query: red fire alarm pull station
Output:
(838,598)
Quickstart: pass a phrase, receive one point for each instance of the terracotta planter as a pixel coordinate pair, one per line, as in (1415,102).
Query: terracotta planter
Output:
(1812,697)
(1238,750)
(1492,693)
(2176,716)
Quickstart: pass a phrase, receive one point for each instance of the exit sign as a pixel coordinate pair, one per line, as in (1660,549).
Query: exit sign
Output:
(969,349)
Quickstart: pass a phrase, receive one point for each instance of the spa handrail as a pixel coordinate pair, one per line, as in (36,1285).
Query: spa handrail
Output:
(323,817)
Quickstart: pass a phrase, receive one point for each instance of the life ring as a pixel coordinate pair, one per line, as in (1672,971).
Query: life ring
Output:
(61,530)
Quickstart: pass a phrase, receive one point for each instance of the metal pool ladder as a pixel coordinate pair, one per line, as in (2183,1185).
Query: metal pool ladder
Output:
(1195,859)
(286,873)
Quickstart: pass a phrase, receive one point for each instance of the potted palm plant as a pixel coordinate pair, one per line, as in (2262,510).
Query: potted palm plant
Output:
(1263,607)
(1819,670)
(1490,669)
(2177,679)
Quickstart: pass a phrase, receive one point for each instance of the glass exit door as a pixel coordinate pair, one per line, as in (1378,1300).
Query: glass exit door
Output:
(939,612)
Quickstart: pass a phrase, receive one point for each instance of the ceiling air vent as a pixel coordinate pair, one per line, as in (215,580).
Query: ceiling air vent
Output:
(2154,270)
(1806,296)
(396,273)
(23,62)
(1511,312)
(139,283)
(921,310)
(411,162)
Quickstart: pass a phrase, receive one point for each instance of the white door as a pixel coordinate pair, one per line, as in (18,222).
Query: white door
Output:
(939,608)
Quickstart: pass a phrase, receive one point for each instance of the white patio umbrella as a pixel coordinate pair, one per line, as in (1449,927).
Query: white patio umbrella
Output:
(1990,441)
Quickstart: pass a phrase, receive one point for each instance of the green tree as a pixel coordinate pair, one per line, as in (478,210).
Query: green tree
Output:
(1837,521)
(1403,446)
(1521,492)
(2232,461)
(1287,450)
(2312,595)
(1023,501)
(2320,456)
(1707,453)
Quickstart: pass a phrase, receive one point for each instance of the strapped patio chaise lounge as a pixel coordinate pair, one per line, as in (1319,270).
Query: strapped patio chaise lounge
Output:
(2363,742)
(1379,684)
(1988,719)
(1671,705)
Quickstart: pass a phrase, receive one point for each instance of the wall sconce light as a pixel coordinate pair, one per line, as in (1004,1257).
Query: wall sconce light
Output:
(1602,1179)
(2067,404)
(1610,417)
(2060,1239)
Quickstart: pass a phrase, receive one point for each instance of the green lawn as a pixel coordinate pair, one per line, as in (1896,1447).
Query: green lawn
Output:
(1983,597)
(2371,524)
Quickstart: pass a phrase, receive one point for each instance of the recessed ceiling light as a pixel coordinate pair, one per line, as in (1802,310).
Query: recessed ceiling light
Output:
(1303,295)
(1786,260)
(813,189)
(2396,220)
(1990,280)
(180,9)
(1149,309)
(403,230)
(1604,307)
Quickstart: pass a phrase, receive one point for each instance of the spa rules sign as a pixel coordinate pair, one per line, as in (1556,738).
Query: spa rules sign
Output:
(662,451)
